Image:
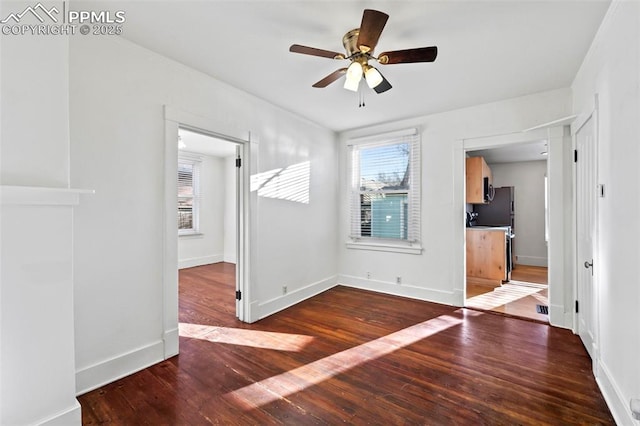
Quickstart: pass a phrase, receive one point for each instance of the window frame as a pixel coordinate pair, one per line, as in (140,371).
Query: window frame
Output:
(412,243)
(196,163)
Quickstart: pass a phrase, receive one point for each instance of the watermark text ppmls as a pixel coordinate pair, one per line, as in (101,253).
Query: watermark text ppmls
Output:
(56,18)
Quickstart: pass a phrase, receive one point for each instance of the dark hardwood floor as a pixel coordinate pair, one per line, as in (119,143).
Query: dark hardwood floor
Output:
(356,357)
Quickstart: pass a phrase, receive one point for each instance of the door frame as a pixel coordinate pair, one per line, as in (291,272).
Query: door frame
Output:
(591,112)
(175,119)
(551,132)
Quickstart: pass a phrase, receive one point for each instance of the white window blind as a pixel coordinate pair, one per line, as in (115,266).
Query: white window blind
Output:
(188,195)
(385,189)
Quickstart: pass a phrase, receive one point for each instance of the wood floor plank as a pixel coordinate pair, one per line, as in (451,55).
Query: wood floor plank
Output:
(356,357)
(518,298)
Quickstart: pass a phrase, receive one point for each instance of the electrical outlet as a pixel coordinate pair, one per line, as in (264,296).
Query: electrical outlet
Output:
(284,289)
(368,275)
(398,280)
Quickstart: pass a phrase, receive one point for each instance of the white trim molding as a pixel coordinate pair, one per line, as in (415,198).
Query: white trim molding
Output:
(617,403)
(70,416)
(112,369)
(394,248)
(404,290)
(171,340)
(41,196)
(199,261)
(277,304)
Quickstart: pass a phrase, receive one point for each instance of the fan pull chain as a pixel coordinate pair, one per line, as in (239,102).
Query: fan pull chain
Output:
(360,97)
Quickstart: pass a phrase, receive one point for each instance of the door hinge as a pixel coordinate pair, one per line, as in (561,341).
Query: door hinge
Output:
(238,162)
(238,295)
(575,155)
(577,310)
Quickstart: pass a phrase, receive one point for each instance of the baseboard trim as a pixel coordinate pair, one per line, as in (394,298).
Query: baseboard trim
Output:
(70,416)
(458,297)
(530,260)
(199,261)
(102,373)
(254,310)
(559,318)
(171,340)
(618,404)
(450,298)
(277,304)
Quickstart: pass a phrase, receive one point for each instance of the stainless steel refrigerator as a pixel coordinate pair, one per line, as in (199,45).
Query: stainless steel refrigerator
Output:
(499,212)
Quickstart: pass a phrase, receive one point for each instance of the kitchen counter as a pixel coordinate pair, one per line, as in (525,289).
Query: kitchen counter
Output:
(487,253)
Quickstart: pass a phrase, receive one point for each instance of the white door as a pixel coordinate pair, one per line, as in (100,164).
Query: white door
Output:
(586,228)
(239,235)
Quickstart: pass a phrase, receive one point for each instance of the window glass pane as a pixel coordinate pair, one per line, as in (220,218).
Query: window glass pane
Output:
(186,196)
(385,189)
(185,180)
(384,167)
(185,218)
(365,215)
(384,215)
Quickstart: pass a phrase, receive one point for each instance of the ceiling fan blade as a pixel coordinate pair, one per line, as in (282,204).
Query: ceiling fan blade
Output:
(330,78)
(384,86)
(371,27)
(305,50)
(421,54)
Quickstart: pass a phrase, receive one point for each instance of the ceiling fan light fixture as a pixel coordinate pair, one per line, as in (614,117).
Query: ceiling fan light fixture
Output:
(354,75)
(373,77)
(359,45)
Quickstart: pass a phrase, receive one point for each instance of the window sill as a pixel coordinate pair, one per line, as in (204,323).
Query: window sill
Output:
(191,235)
(387,247)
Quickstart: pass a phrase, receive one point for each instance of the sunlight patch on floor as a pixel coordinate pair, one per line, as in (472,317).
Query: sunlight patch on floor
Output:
(507,293)
(298,379)
(243,337)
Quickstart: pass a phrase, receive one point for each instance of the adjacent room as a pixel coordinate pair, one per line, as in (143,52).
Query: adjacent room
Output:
(508,272)
(276,212)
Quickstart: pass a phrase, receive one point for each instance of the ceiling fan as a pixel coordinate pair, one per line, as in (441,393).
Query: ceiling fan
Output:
(359,44)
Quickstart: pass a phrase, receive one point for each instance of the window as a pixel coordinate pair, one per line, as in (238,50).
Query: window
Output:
(385,193)
(188,195)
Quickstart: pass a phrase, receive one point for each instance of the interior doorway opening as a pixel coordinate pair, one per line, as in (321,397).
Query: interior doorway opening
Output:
(175,120)
(506,230)
(207,241)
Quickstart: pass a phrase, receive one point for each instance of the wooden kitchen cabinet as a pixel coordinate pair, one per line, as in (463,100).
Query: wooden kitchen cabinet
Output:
(476,170)
(486,254)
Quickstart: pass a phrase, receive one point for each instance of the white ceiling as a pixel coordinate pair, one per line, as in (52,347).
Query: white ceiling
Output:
(530,151)
(488,50)
(204,144)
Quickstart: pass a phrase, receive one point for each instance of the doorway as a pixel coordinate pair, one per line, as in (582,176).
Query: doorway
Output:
(175,120)
(207,216)
(506,231)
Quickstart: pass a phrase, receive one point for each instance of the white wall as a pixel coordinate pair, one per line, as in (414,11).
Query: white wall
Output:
(37,375)
(208,246)
(433,275)
(529,246)
(612,71)
(119,140)
(230,227)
